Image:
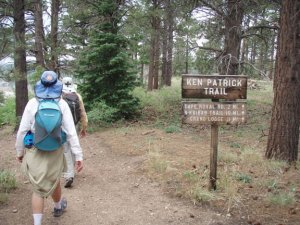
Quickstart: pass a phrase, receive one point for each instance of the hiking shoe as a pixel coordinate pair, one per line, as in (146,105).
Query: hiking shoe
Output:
(59,212)
(69,182)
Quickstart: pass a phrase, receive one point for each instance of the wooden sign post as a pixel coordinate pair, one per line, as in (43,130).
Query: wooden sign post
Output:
(213,155)
(228,88)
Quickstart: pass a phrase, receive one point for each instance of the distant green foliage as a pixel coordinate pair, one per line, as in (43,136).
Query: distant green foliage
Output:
(1,97)
(101,113)
(105,70)
(35,77)
(163,99)
(205,62)
(7,112)
(161,106)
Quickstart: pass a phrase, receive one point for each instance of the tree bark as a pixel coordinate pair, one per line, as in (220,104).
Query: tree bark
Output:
(151,64)
(20,58)
(164,52)
(167,44)
(170,22)
(233,23)
(155,49)
(39,33)
(187,47)
(271,68)
(284,130)
(54,35)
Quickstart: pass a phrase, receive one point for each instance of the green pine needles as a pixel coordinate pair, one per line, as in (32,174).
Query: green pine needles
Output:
(105,70)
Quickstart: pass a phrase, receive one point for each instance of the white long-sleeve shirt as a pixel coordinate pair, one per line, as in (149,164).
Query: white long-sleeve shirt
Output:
(28,121)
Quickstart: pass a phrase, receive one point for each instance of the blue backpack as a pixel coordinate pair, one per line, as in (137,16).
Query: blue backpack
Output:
(48,119)
(48,133)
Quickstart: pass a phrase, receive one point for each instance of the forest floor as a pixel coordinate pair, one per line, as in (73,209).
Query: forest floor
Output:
(118,187)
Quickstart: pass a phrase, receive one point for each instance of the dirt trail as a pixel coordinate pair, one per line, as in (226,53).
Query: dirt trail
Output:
(107,191)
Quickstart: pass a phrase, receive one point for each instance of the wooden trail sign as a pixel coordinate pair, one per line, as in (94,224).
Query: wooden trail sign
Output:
(214,87)
(226,87)
(230,113)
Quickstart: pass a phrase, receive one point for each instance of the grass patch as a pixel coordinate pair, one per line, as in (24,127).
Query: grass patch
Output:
(172,129)
(228,157)
(191,176)
(282,199)
(157,163)
(3,198)
(245,178)
(228,187)
(275,167)
(7,183)
(200,194)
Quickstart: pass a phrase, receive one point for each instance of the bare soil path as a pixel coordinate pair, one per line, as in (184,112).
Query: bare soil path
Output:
(108,191)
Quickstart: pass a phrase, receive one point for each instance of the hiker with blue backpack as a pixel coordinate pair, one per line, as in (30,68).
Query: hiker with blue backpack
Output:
(45,125)
(80,119)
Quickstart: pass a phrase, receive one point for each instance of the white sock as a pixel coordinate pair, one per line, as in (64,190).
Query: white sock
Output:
(37,218)
(57,205)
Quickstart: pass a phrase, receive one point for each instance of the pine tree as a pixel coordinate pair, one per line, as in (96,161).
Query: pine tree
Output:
(105,70)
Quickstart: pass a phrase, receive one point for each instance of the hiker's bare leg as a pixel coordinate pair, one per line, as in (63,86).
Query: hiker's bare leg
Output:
(60,204)
(37,203)
(56,195)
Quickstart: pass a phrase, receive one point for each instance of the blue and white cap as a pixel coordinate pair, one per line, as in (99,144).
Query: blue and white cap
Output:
(48,86)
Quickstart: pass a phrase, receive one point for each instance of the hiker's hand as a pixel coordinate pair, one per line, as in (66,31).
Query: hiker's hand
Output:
(78,166)
(83,133)
(20,158)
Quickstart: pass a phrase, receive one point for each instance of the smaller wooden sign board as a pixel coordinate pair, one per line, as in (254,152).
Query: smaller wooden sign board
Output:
(213,112)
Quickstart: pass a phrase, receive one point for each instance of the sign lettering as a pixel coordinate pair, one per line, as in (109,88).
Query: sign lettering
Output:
(213,112)
(214,87)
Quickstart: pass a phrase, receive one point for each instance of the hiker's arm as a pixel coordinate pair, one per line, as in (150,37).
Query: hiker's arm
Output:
(70,130)
(83,117)
(25,126)
(20,158)
(78,166)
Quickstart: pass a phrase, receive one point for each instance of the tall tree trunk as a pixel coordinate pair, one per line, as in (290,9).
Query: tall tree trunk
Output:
(167,46)
(164,52)
(253,52)
(187,54)
(156,55)
(155,49)
(170,22)
(20,58)
(233,23)
(245,47)
(284,130)
(39,33)
(271,68)
(244,53)
(142,73)
(262,53)
(54,35)
(151,64)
